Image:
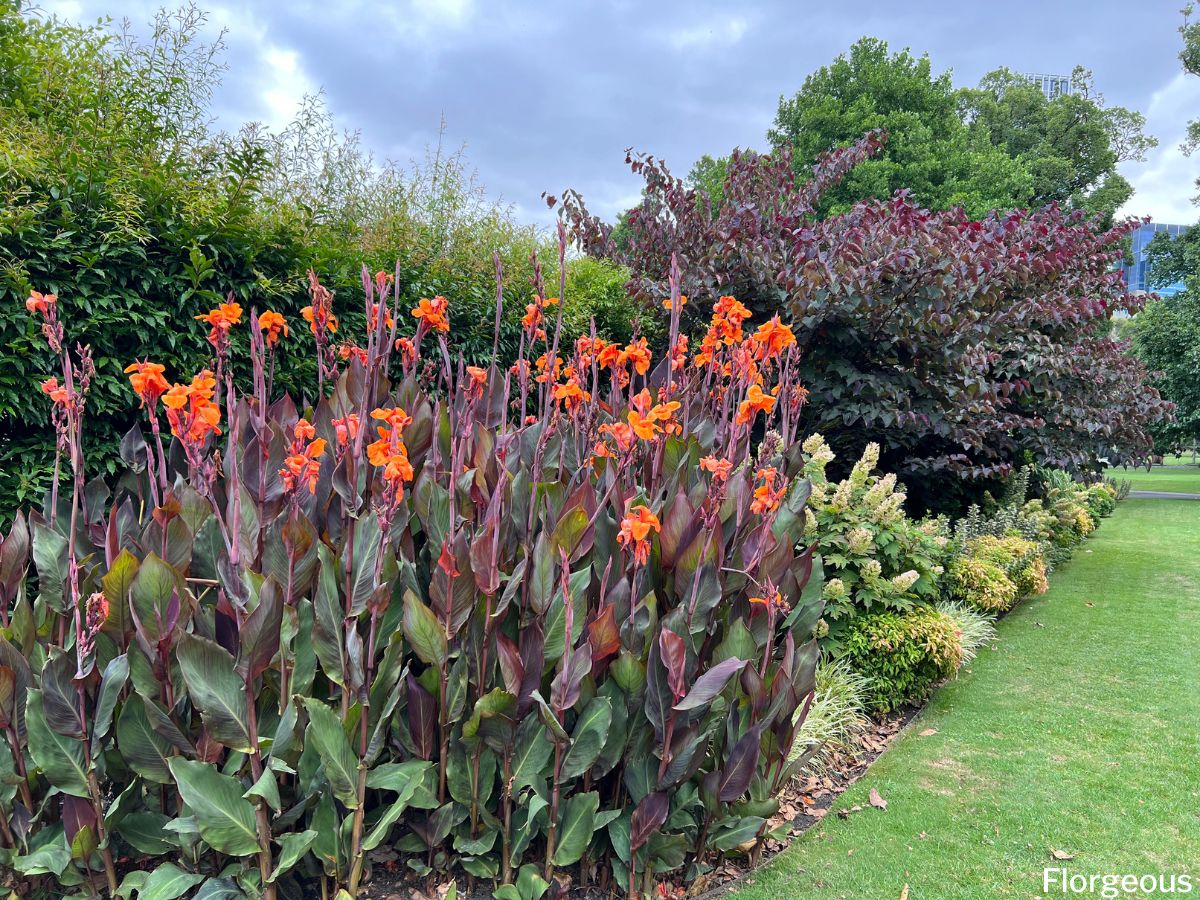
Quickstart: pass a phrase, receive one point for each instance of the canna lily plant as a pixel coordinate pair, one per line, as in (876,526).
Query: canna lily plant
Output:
(546,625)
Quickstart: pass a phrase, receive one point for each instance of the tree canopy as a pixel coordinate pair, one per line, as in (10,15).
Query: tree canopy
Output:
(1001,145)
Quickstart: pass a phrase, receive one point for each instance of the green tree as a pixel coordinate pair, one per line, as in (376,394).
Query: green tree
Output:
(1190,57)
(1166,337)
(929,150)
(1001,145)
(1070,146)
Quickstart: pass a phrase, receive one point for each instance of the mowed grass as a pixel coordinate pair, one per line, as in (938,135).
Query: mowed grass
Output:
(1183,480)
(1079,731)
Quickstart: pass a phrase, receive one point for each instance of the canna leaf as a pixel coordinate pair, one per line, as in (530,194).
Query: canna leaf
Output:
(292,848)
(60,758)
(326,734)
(215,688)
(327,620)
(740,766)
(424,631)
(224,816)
(112,682)
(576,827)
(587,740)
(710,684)
(168,882)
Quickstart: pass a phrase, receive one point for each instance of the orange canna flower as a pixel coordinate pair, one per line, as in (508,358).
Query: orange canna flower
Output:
(176,397)
(56,392)
(349,349)
(679,353)
(720,468)
(346,428)
(274,325)
(755,401)
(398,470)
(635,531)
(682,302)
(570,394)
(389,452)
(770,493)
(773,338)
(303,467)
(312,317)
(408,351)
(478,381)
(772,601)
(147,381)
(609,355)
(638,355)
(388,321)
(40,303)
(728,316)
(394,416)
(191,412)
(223,318)
(435,313)
(541,364)
(622,433)
(303,432)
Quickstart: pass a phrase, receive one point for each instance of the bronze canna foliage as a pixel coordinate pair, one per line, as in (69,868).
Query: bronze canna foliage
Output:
(527,624)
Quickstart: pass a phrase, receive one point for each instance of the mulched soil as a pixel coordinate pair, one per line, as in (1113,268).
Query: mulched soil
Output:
(803,804)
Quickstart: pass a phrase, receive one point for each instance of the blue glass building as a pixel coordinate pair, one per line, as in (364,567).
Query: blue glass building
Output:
(1053,86)
(1135,274)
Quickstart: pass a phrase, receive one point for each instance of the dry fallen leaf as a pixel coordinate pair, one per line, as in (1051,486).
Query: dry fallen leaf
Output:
(928,732)
(1061,854)
(904,893)
(877,801)
(1089,604)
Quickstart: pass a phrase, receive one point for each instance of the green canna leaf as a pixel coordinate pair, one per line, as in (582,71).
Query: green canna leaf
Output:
(225,817)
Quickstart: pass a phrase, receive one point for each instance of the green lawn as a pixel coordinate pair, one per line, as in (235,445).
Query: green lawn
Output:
(1184,480)
(1078,732)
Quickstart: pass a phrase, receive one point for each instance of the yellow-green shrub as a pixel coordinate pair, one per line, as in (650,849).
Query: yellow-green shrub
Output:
(1021,560)
(904,654)
(981,584)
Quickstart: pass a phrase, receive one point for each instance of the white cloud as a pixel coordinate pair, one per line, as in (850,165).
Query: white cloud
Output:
(285,87)
(1166,182)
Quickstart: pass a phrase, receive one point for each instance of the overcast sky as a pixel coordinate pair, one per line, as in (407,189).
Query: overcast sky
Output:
(547,95)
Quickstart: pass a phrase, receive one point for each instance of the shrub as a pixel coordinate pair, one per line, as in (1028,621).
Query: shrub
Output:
(959,346)
(981,584)
(903,654)
(1101,500)
(1020,559)
(874,556)
(527,624)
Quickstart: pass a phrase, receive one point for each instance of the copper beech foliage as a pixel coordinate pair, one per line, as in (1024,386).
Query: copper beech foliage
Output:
(959,346)
(547,625)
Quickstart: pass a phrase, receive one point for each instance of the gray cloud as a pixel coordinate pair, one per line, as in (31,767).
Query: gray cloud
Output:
(548,95)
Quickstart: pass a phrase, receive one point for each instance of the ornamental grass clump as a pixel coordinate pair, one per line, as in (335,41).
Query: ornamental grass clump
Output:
(537,624)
